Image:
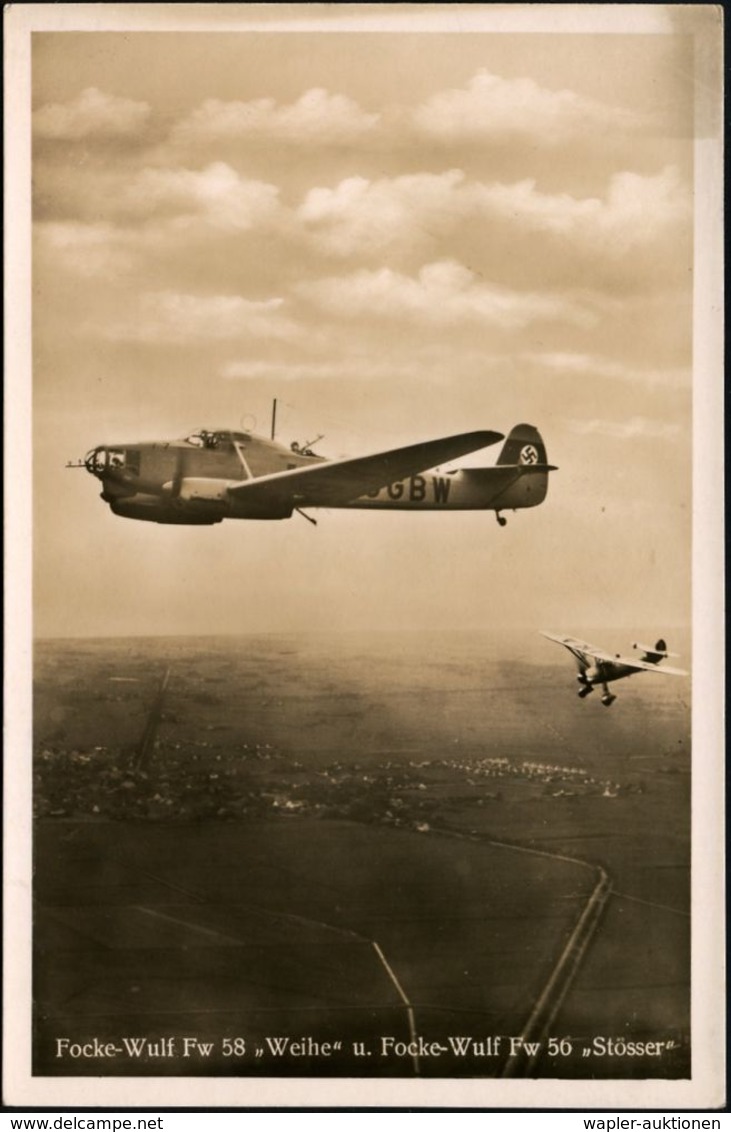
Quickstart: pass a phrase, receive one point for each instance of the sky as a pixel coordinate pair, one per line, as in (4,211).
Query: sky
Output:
(399,235)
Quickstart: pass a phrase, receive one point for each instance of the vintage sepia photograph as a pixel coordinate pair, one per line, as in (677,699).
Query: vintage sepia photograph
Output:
(364,455)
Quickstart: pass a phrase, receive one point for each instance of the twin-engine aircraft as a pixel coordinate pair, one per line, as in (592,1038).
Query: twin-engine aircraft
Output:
(599,667)
(215,475)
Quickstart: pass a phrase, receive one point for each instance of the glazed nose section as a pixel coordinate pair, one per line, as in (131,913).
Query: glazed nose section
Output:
(96,461)
(104,462)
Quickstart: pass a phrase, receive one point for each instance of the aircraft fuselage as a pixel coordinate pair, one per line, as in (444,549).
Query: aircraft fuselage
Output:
(194,481)
(186,482)
(467,489)
(604,672)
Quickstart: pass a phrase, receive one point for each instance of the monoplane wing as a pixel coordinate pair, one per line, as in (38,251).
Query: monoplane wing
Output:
(583,652)
(335,482)
(644,666)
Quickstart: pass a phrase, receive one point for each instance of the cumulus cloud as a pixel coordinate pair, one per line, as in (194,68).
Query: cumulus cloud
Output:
(494,107)
(362,215)
(171,317)
(636,209)
(632,429)
(158,212)
(91,114)
(444,293)
(407,212)
(216,194)
(317,116)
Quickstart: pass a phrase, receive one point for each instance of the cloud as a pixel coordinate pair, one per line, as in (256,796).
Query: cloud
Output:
(426,215)
(636,209)
(408,212)
(345,369)
(598,367)
(316,117)
(632,429)
(340,350)
(362,215)
(444,293)
(158,212)
(171,317)
(87,250)
(494,107)
(92,114)
(216,194)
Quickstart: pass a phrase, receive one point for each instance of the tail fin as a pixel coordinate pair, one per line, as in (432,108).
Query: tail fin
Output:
(523,445)
(524,482)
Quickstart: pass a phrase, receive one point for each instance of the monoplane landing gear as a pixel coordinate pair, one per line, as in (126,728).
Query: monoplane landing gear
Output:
(585,691)
(501,519)
(608,699)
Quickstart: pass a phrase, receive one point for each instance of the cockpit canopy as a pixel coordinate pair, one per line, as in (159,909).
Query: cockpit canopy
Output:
(215,438)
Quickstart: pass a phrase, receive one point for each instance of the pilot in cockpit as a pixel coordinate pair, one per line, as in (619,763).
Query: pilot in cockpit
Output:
(204,439)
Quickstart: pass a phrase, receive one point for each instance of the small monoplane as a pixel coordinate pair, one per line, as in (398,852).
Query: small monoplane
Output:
(599,667)
(216,474)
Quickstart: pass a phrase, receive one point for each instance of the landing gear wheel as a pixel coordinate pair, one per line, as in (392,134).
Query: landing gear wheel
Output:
(608,700)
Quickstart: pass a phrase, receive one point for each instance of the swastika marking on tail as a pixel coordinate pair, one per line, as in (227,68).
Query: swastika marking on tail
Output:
(528,455)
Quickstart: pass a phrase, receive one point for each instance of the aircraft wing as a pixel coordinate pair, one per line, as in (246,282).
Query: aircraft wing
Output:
(583,652)
(335,482)
(643,666)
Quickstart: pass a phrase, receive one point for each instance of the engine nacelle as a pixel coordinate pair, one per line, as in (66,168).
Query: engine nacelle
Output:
(151,510)
(210,490)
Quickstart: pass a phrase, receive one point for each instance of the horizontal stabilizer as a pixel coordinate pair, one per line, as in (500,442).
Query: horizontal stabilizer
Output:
(654,650)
